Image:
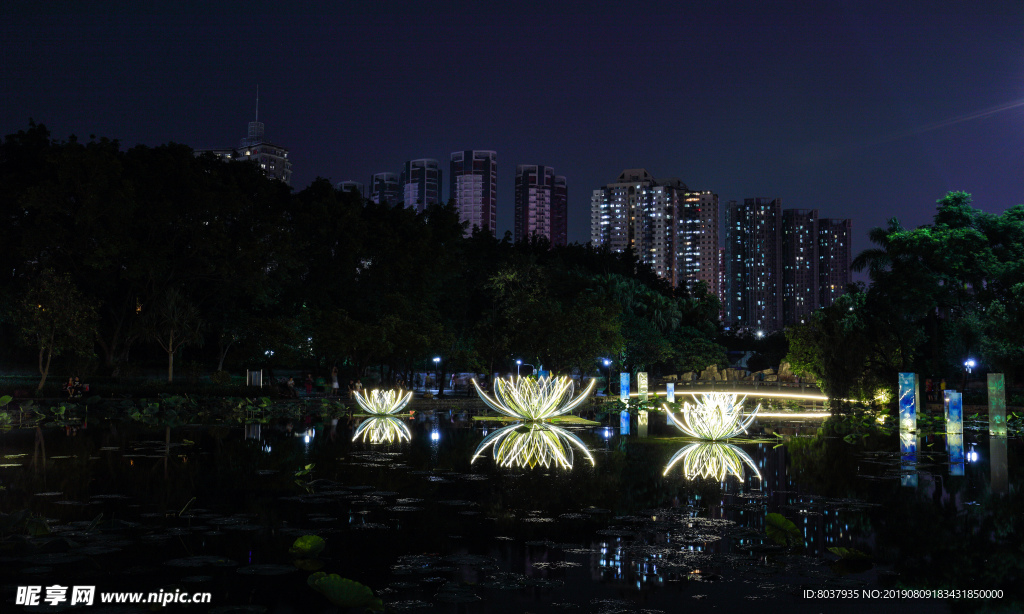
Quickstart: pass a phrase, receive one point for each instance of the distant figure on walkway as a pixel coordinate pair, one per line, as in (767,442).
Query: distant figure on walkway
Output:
(335,389)
(69,388)
(292,392)
(309,384)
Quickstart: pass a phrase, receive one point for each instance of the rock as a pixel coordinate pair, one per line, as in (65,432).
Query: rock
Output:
(771,378)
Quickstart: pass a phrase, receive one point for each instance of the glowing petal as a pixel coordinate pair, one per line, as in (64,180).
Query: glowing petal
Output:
(531,444)
(715,416)
(383,402)
(712,460)
(533,399)
(382,429)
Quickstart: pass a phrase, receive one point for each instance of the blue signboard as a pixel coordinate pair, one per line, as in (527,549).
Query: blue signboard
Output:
(624,387)
(670,392)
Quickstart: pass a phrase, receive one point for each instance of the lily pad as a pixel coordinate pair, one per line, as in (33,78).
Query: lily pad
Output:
(345,593)
(307,546)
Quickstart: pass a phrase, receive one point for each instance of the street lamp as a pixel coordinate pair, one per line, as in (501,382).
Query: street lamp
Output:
(968,365)
(520,363)
(437,376)
(608,382)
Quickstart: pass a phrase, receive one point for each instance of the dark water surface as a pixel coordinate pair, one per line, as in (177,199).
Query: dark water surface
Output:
(430,532)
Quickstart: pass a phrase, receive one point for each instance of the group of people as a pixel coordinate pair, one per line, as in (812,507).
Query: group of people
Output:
(310,384)
(931,394)
(74,388)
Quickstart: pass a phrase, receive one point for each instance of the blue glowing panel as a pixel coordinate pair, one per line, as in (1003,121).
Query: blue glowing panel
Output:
(996,405)
(624,423)
(908,402)
(945,404)
(624,387)
(670,392)
(954,412)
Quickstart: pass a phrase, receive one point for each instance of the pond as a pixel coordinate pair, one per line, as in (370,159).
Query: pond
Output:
(431,526)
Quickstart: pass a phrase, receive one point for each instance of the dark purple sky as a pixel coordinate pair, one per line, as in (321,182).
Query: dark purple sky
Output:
(843,107)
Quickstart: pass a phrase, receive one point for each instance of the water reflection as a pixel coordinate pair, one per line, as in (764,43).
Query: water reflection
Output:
(908,456)
(955,448)
(712,460)
(531,444)
(997,458)
(382,429)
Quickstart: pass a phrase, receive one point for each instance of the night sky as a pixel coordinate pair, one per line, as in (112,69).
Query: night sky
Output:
(861,110)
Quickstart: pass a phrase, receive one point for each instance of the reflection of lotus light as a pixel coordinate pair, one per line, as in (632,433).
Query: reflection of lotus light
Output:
(712,460)
(532,444)
(383,402)
(529,399)
(715,416)
(382,429)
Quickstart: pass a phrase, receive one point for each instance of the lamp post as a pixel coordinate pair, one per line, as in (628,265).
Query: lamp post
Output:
(968,366)
(608,382)
(520,363)
(437,376)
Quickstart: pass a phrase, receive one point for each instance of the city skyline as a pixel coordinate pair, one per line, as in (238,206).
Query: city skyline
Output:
(857,110)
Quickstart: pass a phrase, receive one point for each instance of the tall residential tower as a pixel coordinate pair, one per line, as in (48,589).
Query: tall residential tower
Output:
(474,188)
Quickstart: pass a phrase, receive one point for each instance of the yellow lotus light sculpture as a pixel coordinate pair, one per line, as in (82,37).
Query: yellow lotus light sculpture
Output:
(714,417)
(383,402)
(382,429)
(531,399)
(533,443)
(712,460)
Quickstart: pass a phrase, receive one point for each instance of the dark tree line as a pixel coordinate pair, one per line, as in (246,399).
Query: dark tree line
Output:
(126,256)
(939,294)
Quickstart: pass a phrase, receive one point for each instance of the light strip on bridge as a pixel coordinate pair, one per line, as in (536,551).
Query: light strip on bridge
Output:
(817,414)
(785,395)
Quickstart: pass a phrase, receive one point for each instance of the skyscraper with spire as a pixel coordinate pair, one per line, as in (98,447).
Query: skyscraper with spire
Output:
(272,159)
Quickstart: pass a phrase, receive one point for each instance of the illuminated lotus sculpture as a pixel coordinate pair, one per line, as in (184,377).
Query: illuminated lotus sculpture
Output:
(383,402)
(382,429)
(531,399)
(712,460)
(531,444)
(715,416)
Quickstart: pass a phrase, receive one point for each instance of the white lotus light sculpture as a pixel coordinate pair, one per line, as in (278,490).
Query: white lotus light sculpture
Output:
(531,444)
(529,399)
(383,402)
(712,460)
(714,417)
(382,429)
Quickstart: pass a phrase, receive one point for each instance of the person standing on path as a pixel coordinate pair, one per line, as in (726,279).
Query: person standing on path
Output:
(334,382)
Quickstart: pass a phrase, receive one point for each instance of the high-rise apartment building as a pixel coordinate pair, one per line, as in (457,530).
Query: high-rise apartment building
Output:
(474,188)
(799,265)
(754,262)
(834,253)
(781,265)
(697,239)
(670,228)
(272,159)
(384,189)
(541,200)
(421,183)
(350,186)
(560,212)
